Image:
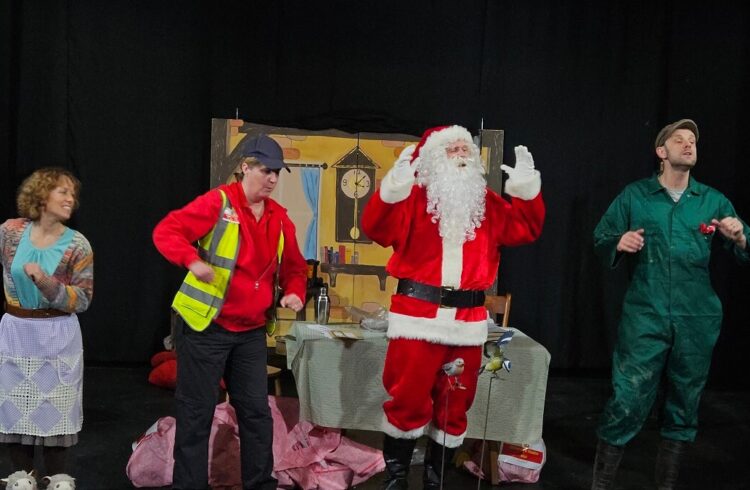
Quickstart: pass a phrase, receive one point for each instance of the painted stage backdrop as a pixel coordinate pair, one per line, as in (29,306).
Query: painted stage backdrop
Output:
(333,176)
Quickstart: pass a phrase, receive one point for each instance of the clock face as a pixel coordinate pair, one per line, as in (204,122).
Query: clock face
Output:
(355,183)
(355,186)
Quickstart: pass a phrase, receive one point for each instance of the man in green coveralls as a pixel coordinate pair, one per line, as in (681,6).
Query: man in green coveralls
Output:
(663,227)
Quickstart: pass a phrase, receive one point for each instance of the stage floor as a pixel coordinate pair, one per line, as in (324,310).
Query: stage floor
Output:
(119,404)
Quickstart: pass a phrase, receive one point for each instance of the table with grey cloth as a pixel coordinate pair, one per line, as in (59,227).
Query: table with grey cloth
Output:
(339,384)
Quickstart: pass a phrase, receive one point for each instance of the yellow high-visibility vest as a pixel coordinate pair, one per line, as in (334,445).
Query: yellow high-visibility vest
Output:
(197,302)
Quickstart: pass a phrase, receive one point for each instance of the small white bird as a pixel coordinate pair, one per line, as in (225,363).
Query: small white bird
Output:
(454,368)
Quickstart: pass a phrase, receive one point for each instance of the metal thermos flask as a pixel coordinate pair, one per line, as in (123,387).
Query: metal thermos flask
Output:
(322,307)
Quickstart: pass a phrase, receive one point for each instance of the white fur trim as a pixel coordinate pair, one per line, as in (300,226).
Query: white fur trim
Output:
(446,314)
(526,189)
(392,192)
(444,329)
(443,438)
(394,431)
(452,266)
(444,137)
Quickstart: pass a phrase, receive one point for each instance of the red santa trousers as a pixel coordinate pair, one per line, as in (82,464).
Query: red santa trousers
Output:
(424,400)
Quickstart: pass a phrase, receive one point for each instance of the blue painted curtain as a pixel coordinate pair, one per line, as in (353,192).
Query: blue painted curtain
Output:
(311,186)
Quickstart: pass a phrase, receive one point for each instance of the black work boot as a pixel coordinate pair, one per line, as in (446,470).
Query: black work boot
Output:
(607,460)
(397,455)
(668,463)
(436,461)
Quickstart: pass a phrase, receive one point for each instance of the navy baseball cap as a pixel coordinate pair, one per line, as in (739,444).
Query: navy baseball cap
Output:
(266,150)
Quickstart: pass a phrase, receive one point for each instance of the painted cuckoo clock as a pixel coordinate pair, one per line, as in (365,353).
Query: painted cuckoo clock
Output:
(355,183)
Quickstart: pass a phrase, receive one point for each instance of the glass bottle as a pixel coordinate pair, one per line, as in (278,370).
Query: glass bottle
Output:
(322,307)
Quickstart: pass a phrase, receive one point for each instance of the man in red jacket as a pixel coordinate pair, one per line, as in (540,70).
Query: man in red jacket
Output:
(446,228)
(249,224)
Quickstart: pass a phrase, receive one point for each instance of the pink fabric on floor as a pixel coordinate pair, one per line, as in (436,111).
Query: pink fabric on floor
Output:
(305,456)
(317,458)
(151,463)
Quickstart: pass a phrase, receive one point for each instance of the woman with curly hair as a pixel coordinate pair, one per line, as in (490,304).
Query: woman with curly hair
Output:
(48,277)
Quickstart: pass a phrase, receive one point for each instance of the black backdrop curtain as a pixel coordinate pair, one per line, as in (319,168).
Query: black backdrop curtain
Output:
(122,92)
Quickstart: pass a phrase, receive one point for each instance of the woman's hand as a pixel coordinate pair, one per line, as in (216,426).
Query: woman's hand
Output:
(202,271)
(291,301)
(33,270)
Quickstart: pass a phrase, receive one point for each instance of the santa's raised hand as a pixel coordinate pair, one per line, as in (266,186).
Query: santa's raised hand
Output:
(397,182)
(404,168)
(524,181)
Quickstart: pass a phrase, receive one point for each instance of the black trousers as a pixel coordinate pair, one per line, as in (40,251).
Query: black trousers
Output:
(202,358)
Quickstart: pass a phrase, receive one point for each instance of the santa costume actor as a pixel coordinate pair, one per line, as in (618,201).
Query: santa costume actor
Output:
(446,229)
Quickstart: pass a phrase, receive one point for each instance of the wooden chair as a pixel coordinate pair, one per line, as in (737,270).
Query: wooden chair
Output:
(499,305)
(274,373)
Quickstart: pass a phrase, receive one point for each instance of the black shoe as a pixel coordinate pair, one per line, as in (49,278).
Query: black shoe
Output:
(607,460)
(436,462)
(397,454)
(668,463)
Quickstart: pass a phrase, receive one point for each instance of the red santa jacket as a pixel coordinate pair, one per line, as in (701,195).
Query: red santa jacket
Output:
(420,254)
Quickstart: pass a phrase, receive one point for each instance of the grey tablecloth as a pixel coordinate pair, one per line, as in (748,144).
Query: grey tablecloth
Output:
(339,385)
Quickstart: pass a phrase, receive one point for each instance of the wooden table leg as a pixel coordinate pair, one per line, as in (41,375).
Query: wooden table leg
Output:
(494,451)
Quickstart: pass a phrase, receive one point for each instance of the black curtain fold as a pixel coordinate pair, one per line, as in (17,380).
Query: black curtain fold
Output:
(123,93)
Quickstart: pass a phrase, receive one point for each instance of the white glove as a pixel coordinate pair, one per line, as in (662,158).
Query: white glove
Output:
(397,183)
(524,165)
(403,168)
(524,181)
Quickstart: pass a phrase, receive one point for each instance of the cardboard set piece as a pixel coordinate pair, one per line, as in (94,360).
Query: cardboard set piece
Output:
(333,175)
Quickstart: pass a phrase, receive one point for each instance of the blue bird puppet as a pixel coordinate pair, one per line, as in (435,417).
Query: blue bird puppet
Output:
(494,350)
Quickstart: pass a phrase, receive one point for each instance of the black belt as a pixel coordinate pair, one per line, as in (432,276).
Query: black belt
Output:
(443,296)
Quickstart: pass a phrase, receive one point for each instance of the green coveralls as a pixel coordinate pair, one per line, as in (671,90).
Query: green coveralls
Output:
(671,315)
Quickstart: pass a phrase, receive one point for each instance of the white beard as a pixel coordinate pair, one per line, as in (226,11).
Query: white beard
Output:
(455,194)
